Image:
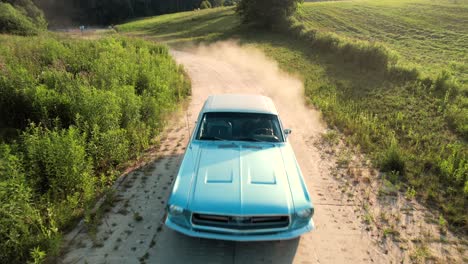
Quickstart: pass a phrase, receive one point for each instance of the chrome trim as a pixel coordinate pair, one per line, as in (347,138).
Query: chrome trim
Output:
(239,231)
(289,234)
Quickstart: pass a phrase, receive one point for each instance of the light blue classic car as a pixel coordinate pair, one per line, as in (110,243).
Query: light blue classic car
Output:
(239,179)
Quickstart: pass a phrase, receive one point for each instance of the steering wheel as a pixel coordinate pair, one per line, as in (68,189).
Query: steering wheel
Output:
(262,131)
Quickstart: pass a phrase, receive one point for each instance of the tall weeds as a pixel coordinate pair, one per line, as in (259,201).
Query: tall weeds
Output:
(415,127)
(79,109)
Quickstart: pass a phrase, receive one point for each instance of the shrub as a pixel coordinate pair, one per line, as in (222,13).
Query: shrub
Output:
(205,4)
(14,22)
(97,107)
(230,2)
(50,106)
(445,86)
(392,159)
(457,117)
(21,19)
(28,8)
(84,109)
(267,13)
(56,161)
(21,224)
(108,148)
(217,3)
(454,168)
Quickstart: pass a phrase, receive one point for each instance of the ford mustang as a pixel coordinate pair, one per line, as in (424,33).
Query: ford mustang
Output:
(239,179)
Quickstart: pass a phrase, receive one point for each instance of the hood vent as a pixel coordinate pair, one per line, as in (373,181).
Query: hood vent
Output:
(252,147)
(225,146)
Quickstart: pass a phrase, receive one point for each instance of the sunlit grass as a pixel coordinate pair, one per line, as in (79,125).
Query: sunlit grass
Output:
(406,125)
(185,27)
(431,35)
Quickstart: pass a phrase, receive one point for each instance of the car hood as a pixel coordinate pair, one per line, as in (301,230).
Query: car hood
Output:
(240,179)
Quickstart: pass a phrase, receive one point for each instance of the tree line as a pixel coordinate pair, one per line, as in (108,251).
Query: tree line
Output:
(106,12)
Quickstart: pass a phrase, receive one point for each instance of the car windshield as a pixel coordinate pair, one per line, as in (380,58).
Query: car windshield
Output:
(240,127)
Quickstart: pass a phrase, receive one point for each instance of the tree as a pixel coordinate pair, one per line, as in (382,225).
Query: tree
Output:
(104,12)
(230,2)
(205,4)
(29,9)
(216,3)
(267,13)
(21,18)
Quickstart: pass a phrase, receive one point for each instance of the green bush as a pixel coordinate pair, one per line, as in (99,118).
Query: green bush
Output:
(267,14)
(205,4)
(21,18)
(28,8)
(108,148)
(56,162)
(230,2)
(217,3)
(84,109)
(22,226)
(457,116)
(455,167)
(392,160)
(14,22)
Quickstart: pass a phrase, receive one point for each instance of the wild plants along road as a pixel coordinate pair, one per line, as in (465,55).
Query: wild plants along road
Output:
(132,229)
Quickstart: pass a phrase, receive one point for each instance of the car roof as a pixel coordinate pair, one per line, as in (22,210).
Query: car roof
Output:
(244,103)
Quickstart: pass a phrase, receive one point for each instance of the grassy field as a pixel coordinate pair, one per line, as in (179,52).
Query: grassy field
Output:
(405,125)
(186,27)
(432,35)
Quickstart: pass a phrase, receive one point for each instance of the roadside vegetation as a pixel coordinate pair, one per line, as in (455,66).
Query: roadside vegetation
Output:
(396,86)
(91,12)
(72,112)
(21,18)
(427,35)
(266,14)
(183,28)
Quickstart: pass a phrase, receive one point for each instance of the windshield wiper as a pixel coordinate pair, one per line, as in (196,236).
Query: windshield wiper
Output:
(211,138)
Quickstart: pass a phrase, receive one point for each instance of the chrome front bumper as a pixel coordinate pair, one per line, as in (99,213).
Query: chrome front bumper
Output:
(242,236)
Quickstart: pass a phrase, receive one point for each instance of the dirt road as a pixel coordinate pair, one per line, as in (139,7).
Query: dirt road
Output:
(132,231)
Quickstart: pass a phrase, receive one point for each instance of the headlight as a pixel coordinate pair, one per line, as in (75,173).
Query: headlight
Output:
(175,210)
(305,213)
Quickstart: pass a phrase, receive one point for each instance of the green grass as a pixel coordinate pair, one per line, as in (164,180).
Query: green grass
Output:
(186,27)
(413,128)
(399,124)
(432,35)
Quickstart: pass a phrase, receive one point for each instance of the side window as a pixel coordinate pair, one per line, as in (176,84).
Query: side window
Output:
(201,127)
(277,129)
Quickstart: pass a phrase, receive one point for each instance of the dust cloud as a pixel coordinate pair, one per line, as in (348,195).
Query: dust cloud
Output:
(228,67)
(249,71)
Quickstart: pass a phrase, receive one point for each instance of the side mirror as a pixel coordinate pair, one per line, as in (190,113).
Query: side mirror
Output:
(287,132)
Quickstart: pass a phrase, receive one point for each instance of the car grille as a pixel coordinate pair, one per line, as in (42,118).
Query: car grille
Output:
(241,223)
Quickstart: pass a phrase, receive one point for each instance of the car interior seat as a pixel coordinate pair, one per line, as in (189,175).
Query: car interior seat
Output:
(220,129)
